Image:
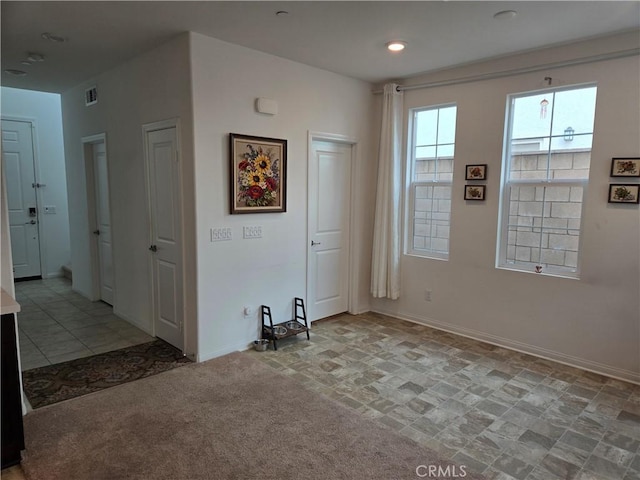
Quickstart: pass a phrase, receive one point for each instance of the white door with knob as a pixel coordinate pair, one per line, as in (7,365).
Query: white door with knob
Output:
(165,249)
(19,166)
(103,222)
(328,228)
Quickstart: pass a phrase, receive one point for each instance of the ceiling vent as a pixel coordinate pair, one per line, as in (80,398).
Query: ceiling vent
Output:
(91,96)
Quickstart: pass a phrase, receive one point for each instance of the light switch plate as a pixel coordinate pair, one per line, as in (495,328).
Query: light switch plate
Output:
(221,234)
(252,232)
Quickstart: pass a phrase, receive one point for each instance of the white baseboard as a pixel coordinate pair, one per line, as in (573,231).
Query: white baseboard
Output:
(84,294)
(53,275)
(124,316)
(577,362)
(362,309)
(203,357)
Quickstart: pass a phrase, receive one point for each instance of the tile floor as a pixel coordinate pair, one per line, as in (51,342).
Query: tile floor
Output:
(502,413)
(56,324)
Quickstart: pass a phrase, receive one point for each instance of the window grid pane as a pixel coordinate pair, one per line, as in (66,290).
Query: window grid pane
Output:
(549,137)
(544,226)
(431,218)
(567,165)
(432,173)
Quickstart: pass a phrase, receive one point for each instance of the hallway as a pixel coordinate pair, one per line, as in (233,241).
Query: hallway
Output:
(57,324)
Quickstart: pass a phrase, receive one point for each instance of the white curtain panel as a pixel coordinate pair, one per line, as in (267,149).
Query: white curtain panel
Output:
(385,267)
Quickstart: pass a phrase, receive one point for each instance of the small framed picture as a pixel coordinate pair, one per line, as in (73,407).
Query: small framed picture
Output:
(624,193)
(625,167)
(476,172)
(474,192)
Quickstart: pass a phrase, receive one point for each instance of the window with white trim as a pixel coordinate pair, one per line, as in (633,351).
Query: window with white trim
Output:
(430,173)
(545,174)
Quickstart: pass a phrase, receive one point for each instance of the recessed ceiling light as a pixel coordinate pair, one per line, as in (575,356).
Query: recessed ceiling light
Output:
(17,73)
(505,14)
(282,13)
(396,45)
(35,57)
(53,37)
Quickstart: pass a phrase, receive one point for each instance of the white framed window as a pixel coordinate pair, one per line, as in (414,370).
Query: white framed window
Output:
(546,160)
(430,175)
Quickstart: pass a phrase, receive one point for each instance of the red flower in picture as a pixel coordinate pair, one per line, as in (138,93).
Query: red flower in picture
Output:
(272,184)
(255,191)
(627,167)
(243,165)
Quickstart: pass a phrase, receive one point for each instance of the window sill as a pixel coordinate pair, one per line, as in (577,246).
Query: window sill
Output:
(569,276)
(443,258)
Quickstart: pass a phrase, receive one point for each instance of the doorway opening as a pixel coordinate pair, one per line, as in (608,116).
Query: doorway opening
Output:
(23,197)
(98,205)
(330,267)
(164,191)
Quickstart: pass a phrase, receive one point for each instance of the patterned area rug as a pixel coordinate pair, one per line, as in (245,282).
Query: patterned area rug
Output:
(55,383)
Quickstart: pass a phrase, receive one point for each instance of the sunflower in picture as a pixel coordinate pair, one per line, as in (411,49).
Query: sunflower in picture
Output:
(263,163)
(258,177)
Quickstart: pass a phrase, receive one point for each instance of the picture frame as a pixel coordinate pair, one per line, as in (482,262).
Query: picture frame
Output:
(624,193)
(474,192)
(625,167)
(258,174)
(476,172)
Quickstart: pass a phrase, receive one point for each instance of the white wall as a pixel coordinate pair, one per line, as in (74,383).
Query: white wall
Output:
(6,264)
(44,110)
(152,87)
(271,270)
(593,322)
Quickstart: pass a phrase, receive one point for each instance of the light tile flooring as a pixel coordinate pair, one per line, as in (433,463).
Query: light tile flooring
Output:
(501,413)
(56,324)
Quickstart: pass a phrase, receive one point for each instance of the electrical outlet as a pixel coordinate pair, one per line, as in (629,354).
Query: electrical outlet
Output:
(252,232)
(427,295)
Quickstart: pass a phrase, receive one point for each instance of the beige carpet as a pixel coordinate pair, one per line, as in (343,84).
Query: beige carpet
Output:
(229,418)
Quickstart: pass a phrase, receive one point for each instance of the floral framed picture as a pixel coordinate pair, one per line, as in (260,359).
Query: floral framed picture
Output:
(258,174)
(624,193)
(476,172)
(474,192)
(625,167)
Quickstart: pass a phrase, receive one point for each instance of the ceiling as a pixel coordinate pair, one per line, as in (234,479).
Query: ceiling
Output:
(344,37)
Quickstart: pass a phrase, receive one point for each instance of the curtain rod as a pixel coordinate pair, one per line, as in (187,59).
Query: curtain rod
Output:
(519,71)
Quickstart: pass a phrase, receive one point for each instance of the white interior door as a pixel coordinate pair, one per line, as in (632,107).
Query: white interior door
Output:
(329,219)
(103,222)
(18,160)
(163,170)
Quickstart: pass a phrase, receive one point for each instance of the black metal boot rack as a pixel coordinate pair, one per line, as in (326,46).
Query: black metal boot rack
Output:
(285,329)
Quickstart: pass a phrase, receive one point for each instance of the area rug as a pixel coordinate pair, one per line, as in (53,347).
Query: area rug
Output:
(62,381)
(229,418)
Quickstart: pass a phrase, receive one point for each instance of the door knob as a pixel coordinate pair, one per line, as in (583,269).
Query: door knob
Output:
(313,244)
(96,232)
(153,248)
(32,222)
